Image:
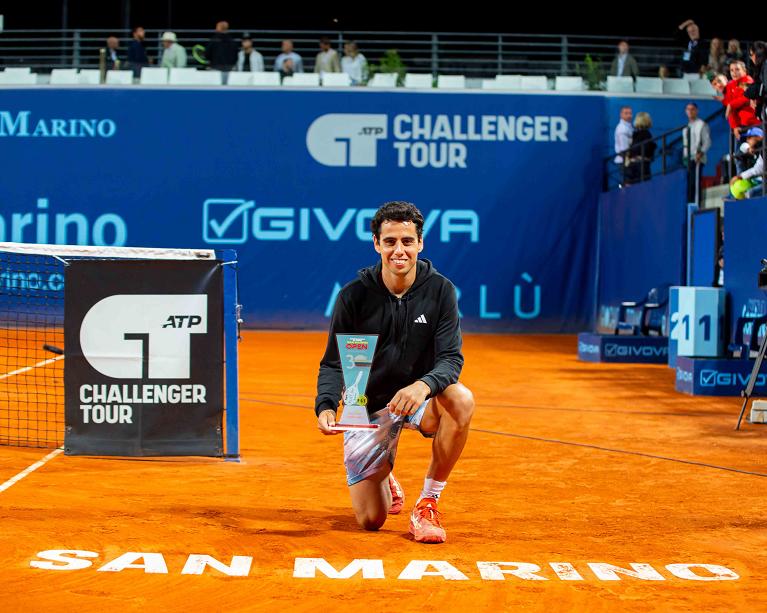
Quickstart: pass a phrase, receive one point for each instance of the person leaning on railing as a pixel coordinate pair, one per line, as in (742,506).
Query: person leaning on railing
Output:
(640,154)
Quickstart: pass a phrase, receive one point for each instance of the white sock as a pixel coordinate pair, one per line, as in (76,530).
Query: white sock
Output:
(432,488)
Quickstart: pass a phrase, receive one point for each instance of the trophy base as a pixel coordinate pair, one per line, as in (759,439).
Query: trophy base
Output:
(345,427)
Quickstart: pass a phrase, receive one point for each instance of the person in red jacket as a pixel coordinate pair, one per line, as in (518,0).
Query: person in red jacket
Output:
(739,112)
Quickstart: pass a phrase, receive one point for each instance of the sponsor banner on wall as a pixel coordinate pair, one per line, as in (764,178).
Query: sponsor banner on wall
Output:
(144,358)
(508,185)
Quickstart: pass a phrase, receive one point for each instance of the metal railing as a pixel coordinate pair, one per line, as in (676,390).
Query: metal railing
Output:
(669,145)
(473,55)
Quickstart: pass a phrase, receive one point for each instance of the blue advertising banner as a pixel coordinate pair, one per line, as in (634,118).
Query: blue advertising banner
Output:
(508,184)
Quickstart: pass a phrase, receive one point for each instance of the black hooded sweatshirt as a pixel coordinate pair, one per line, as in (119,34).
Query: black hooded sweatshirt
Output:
(407,350)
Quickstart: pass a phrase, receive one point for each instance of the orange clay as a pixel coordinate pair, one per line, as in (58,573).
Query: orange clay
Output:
(516,495)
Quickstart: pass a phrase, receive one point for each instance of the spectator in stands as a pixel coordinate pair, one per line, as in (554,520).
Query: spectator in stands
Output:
(734,51)
(716,56)
(248,59)
(623,133)
(754,138)
(221,50)
(696,139)
(173,55)
(296,63)
(624,64)
(137,55)
(749,150)
(327,59)
(719,83)
(113,53)
(287,69)
(739,111)
(756,91)
(354,64)
(663,72)
(695,55)
(642,151)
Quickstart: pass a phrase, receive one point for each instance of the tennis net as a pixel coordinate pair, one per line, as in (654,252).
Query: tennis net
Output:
(32,292)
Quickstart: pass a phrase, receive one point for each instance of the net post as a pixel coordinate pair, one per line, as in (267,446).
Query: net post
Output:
(231,337)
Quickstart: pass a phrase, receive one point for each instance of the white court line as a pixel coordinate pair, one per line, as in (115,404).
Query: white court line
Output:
(28,368)
(30,469)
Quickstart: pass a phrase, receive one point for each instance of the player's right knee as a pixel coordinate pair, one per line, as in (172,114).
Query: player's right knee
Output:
(371,523)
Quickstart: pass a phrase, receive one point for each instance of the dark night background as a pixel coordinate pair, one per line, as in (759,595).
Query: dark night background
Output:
(640,19)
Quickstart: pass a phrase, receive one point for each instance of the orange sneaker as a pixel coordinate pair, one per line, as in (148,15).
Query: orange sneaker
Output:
(425,525)
(397,496)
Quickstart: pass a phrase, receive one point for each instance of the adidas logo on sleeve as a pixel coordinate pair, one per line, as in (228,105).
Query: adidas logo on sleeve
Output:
(421,319)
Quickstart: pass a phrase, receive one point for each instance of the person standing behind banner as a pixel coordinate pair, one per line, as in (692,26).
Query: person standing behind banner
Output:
(113,59)
(354,64)
(221,51)
(624,64)
(695,55)
(696,139)
(248,59)
(137,56)
(174,55)
(327,58)
(296,63)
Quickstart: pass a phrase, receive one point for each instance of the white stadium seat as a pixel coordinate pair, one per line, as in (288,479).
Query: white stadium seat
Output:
(64,76)
(534,83)
(119,77)
(208,77)
(92,76)
(568,84)
(18,76)
(383,79)
(451,81)
(649,85)
(302,79)
(676,86)
(240,79)
(153,75)
(193,76)
(418,81)
(701,87)
(508,81)
(336,79)
(620,85)
(691,76)
(268,79)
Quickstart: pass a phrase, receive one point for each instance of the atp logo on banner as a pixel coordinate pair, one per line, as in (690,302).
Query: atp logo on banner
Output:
(346,139)
(143,336)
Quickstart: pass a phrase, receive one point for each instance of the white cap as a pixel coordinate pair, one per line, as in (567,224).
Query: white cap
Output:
(171,36)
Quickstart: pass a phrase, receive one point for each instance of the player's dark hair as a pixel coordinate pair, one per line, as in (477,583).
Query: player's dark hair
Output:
(397,211)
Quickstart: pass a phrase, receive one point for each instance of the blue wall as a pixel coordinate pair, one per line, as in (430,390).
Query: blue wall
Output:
(745,226)
(291,178)
(641,238)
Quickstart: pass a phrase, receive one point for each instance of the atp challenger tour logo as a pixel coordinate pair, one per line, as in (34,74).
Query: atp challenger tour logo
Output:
(140,337)
(422,141)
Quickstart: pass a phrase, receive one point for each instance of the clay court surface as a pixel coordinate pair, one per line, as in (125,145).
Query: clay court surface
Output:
(567,463)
